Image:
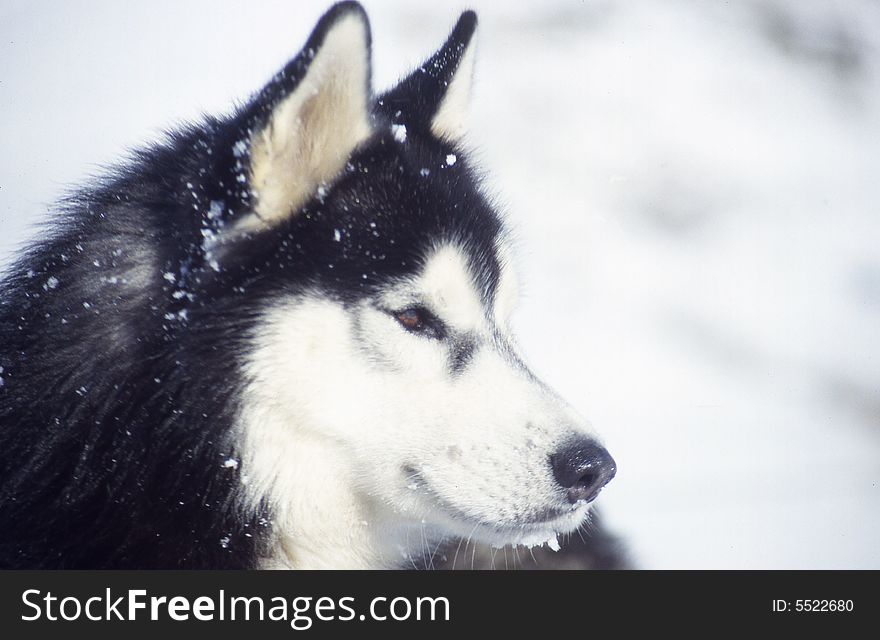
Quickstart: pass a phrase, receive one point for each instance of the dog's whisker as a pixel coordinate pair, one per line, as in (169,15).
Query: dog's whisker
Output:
(457,549)
(532,553)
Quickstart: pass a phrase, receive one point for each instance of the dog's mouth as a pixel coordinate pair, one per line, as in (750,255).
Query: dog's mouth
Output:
(540,527)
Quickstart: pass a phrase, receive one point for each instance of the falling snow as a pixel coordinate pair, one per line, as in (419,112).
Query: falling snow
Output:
(215,209)
(239,149)
(399,132)
(685,297)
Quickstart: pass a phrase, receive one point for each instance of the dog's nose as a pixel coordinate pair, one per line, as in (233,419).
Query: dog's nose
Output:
(583,467)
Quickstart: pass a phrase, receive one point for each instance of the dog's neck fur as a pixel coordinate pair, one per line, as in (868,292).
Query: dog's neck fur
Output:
(321,524)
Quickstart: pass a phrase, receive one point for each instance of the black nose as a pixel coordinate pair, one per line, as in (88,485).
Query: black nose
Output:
(583,467)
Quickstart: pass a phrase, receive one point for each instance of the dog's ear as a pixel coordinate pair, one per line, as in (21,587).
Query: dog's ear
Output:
(304,125)
(435,97)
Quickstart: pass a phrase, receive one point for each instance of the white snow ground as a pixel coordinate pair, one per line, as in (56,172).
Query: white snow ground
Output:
(695,191)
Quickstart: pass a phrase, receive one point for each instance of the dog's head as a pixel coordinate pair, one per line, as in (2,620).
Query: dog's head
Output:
(382,365)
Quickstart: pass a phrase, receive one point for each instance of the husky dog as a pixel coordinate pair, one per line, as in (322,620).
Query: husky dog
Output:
(280,339)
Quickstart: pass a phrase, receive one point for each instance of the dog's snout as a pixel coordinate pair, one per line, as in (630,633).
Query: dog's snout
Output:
(582,468)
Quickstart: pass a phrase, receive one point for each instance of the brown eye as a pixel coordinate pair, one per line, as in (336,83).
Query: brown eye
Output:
(410,318)
(421,321)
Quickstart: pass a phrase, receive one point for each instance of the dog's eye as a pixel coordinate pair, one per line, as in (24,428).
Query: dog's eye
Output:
(420,320)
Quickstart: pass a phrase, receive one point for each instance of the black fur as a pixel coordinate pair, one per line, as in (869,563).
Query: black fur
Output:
(123,330)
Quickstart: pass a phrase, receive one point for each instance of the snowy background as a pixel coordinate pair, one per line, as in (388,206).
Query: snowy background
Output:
(694,188)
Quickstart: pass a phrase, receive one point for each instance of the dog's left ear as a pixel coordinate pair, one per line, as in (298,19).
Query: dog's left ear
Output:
(435,97)
(308,120)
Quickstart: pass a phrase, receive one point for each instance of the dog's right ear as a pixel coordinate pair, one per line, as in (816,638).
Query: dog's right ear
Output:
(305,124)
(436,96)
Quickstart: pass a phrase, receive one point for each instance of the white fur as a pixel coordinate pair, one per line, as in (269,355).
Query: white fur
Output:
(450,121)
(368,448)
(313,131)
(507,292)
(445,284)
